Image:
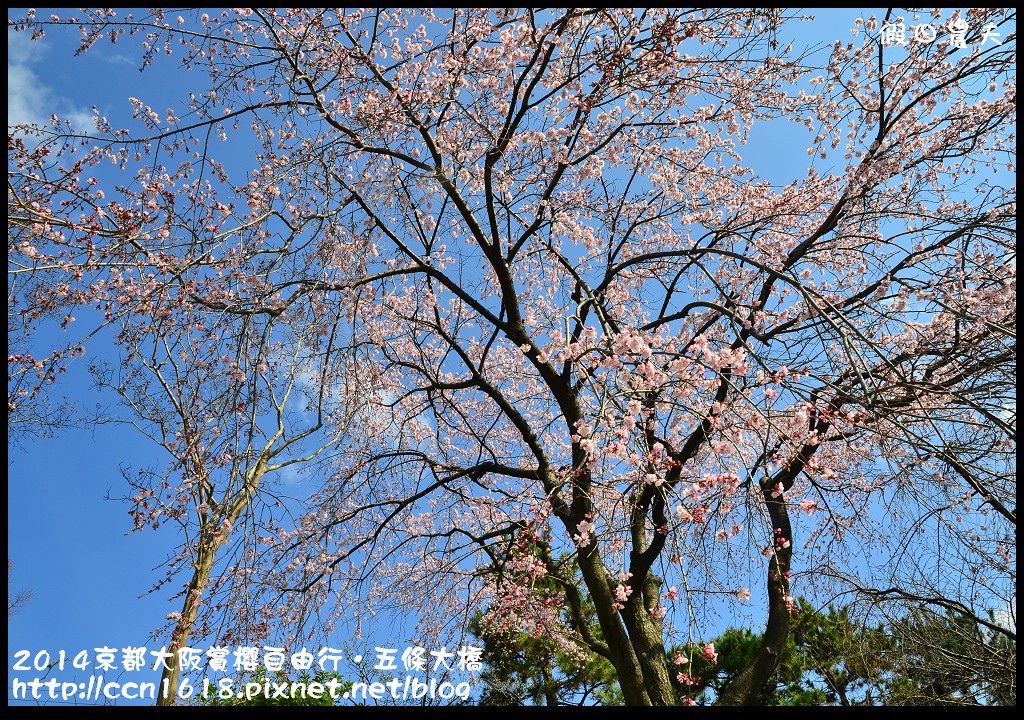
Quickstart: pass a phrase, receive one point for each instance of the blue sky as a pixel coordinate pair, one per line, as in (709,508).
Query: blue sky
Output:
(67,535)
(67,540)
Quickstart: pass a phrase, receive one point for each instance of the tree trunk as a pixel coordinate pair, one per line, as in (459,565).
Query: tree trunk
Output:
(745,687)
(179,639)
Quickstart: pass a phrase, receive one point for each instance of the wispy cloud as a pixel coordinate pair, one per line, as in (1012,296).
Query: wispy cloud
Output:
(118,59)
(29,100)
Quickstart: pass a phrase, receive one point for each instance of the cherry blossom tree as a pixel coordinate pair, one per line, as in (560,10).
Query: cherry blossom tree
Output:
(560,346)
(210,372)
(228,422)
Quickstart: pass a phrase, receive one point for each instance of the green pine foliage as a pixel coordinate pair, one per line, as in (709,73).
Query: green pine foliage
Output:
(921,658)
(532,670)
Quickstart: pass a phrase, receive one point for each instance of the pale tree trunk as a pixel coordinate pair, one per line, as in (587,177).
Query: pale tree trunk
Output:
(214,538)
(183,629)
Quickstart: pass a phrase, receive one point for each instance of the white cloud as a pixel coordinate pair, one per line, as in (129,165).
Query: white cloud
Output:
(29,100)
(1006,616)
(1007,413)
